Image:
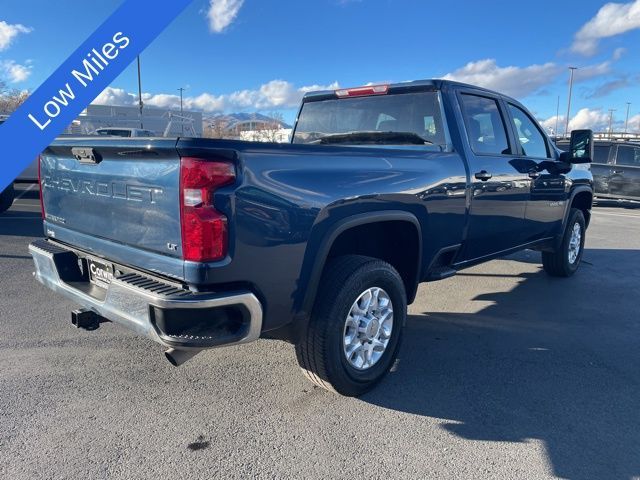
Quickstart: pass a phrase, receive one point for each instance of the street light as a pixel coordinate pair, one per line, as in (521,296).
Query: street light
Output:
(555,131)
(566,128)
(611,110)
(626,122)
(181,119)
(140,93)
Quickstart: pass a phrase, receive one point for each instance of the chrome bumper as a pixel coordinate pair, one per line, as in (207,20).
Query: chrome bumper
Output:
(131,300)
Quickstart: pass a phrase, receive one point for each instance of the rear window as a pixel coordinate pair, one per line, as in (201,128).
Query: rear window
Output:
(418,113)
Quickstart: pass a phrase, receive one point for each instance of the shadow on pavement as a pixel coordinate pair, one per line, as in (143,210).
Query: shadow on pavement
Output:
(21,224)
(556,360)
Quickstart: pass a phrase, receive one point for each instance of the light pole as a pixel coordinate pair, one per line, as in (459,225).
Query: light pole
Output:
(555,131)
(611,110)
(626,122)
(140,93)
(566,128)
(181,119)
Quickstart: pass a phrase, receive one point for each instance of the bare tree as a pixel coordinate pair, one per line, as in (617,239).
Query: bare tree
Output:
(217,128)
(269,130)
(11,98)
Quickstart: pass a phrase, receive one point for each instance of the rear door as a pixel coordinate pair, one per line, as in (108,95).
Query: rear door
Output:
(625,173)
(128,195)
(499,190)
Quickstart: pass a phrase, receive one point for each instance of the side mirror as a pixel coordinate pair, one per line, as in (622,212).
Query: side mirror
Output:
(580,147)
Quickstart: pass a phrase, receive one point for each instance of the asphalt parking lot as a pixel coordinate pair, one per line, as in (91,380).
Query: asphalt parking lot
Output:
(504,373)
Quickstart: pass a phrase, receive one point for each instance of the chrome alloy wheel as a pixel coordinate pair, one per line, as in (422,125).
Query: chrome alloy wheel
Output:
(367,329)
(575,243)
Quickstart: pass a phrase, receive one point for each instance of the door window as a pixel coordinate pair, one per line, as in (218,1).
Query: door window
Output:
(530,137)
(485,126)
(628,155)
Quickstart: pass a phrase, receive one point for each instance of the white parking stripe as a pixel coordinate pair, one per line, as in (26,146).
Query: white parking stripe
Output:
(611,214)
(25,191)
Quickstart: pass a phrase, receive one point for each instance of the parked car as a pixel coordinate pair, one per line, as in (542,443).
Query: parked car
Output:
(124,132)
(615,168)
(199,243)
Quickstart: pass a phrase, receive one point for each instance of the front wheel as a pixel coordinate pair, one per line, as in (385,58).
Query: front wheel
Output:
(565,261)
(355,329)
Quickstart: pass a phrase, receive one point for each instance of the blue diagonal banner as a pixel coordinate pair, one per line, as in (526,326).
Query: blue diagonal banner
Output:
(80,79)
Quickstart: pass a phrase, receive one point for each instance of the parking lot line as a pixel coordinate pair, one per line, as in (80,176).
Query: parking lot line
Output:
(25,191)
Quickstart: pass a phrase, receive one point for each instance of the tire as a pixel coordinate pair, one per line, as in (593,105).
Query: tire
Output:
(321,351)
(559,263)
(6,198)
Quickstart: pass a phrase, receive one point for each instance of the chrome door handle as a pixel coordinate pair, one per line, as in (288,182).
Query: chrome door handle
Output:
(483,175)
(534,174)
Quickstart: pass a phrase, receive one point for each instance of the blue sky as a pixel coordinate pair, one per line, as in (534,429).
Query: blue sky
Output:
(265,54)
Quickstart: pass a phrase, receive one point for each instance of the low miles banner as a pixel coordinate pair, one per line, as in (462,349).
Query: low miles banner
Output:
(80,79)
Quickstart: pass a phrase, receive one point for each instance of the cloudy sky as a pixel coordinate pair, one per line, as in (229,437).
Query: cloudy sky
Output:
(256,55)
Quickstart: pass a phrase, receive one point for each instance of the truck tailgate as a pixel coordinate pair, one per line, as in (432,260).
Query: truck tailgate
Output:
(129,193)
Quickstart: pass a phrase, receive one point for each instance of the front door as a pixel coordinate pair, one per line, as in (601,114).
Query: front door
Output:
(546,203)
(499,190)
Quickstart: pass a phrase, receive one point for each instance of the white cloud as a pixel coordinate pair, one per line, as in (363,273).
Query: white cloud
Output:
(514,81)
(611,20)
(276,94)
(222,13)
(8,32)
(634,124)
(595,119)
(15,72)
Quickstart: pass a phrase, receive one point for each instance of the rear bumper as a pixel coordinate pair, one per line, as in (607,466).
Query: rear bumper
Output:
(172,316)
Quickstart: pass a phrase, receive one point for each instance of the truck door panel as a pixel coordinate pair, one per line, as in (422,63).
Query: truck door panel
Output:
(499,190)
(545,179)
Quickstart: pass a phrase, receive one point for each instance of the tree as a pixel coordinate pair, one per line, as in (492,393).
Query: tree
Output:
(269,130)
(11,98)
(217,127)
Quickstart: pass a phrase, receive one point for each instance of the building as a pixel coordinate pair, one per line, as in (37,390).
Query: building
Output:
(253,127)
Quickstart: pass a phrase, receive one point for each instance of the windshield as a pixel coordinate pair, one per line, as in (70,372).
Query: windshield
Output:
(417,115)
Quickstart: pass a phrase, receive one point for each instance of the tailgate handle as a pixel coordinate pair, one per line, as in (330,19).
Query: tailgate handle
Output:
(86,155)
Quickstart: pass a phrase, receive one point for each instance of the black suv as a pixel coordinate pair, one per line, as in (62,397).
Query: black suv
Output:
(615,168)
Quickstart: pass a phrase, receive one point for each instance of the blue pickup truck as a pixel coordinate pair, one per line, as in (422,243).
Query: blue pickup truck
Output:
(200,243)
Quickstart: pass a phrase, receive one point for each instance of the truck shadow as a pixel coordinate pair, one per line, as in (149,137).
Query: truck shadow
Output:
(553,360)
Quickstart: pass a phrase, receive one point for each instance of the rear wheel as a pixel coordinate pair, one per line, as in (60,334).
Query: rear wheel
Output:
(355,329)
(6,198)
(565,261)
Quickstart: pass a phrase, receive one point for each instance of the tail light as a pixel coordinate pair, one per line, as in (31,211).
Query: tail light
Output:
(204,229)
(40,187)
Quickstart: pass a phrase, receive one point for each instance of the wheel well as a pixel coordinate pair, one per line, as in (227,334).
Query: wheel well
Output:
(583,201)
(395,242)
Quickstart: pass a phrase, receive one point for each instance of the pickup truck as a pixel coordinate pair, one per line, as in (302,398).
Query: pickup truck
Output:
(200,243)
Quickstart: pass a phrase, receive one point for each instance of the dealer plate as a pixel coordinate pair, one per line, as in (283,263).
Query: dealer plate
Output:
(100,273)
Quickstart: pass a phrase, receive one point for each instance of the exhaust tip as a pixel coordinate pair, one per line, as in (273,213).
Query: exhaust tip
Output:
(178,357)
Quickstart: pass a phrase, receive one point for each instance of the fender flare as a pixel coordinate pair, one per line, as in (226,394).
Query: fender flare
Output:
(574,192)
(330,236)
(572,196)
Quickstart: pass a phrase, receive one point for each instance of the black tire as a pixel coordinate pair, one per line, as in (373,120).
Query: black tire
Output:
(6,198)
(320,350)
(557,263)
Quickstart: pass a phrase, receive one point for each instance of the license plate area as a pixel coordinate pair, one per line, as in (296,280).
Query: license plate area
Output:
(100,272)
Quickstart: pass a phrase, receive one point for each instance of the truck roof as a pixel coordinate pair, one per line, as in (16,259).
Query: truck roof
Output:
(427,84)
